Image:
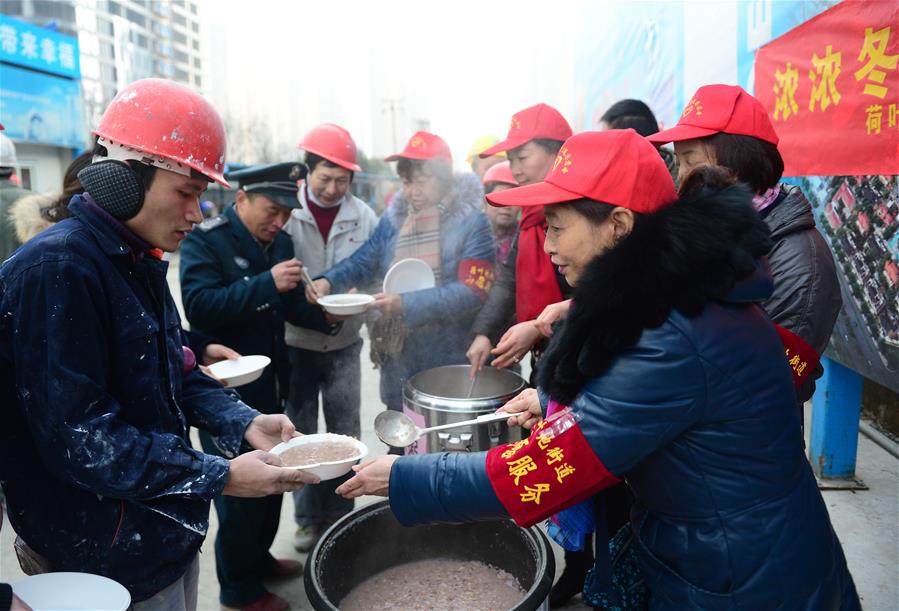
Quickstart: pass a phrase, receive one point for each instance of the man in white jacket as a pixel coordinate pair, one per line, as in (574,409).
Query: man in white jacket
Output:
(328,227)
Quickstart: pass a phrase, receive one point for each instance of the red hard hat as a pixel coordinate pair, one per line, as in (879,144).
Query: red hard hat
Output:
(333,143)
(500,173)
(166,125)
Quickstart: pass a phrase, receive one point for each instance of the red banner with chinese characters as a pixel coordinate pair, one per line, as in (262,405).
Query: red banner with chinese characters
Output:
(831,86)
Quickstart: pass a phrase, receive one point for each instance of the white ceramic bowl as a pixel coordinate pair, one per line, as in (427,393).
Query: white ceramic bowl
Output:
(345,304)
(325,470)
(237,372)
(72,592)
(408,275)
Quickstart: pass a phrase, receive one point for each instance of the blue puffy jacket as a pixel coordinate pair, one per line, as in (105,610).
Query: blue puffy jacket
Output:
(697,414)
(95,458)
(438,319)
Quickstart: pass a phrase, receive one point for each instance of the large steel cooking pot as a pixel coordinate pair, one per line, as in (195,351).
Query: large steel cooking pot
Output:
(370,540)
(440,395)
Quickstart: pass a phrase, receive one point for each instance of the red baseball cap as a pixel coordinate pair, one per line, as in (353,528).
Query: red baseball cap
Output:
(617,167)
(501,173)
(424,145)
(715,109)
(539,121)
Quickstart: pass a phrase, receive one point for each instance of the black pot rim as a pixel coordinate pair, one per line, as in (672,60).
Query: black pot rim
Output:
(538,592)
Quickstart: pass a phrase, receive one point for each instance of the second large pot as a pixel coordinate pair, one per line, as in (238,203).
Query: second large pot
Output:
(440,395)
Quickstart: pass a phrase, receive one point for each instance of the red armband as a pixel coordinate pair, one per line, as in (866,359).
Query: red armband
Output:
(552,469)
(801,357)
(477,274)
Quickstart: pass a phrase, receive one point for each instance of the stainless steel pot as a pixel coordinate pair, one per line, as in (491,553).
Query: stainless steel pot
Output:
(440,395)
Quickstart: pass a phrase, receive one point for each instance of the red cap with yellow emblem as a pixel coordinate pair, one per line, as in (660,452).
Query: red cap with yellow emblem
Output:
(540,121)
(715,109)
(617,167)
(424,145)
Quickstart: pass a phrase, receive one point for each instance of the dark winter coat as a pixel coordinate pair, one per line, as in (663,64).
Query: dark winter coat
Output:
(229,293)
(95,458)
(683,389)
(806,298)
(438,319)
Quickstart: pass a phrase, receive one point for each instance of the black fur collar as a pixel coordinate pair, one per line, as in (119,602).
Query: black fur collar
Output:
(678,258)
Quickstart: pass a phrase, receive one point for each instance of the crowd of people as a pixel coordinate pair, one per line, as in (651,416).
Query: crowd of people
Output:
(657,292)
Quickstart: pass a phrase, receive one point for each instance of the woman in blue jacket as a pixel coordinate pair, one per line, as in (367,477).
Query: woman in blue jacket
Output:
(676,380)
(438,219)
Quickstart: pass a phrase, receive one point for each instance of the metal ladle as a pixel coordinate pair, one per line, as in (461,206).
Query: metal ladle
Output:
(397,429)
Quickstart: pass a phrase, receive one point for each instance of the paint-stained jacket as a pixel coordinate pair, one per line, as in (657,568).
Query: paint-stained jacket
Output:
(95,458)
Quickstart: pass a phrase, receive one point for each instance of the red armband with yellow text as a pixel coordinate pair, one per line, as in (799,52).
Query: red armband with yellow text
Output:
(801,357)
(477,274)
(552,469)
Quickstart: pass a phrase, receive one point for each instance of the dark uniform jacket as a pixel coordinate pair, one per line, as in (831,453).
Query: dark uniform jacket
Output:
(229,293)
(95,459)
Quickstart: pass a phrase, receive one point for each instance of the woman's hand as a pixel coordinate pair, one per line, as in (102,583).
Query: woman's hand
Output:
(515,343)
(551,314)
(525,409)
(390,304)
(372,477)
(268,430)
(477,354)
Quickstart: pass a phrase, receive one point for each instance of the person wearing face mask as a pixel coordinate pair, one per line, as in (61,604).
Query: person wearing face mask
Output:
(526,282)
(675,380)
(329,224)
(239,283)
(440,221)
(724,125)
(96,460)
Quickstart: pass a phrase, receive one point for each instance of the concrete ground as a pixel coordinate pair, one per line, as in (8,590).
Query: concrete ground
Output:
(867,522)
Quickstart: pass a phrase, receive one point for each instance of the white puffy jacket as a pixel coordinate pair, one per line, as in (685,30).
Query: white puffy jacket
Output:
(352,227)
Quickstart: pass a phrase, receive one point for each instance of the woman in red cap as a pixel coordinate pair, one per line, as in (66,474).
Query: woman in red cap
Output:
(439,220)
(724,125)
(676,380)
(503,219)
(526,282)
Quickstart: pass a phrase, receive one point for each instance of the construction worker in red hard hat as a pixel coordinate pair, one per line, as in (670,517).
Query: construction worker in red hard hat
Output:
(95,459)
(328,225)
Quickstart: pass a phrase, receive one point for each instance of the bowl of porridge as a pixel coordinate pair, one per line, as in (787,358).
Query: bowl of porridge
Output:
(326,455)
(368,561)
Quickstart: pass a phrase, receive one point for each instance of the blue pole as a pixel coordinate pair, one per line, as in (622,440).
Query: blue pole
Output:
(835,411)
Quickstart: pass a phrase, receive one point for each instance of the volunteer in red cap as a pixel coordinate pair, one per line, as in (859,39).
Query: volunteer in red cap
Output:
(503,219)
(526,282)
(438,219)
(96,461)
(327,227)
(724,125)
(675,380)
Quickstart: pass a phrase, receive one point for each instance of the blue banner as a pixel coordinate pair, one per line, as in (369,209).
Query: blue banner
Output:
(630,50)
(39,108)
(39,48)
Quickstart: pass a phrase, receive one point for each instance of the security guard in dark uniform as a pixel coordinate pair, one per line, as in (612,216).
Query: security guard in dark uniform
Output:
(239,283)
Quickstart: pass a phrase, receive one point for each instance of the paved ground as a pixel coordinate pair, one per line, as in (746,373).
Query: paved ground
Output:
(867,523)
